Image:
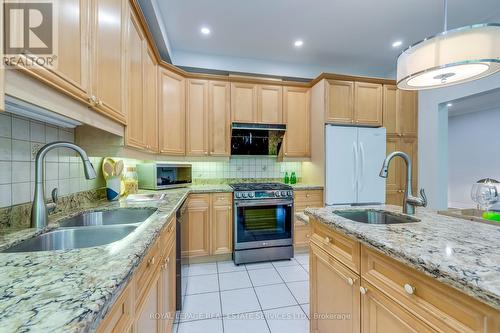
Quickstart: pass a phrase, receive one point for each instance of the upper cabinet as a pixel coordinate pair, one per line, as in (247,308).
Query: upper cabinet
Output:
(400,111)
(219,110)
(254,103)
(357,103)
(150,88)
(107,61)
(172,113)
(296,103)
(197,125)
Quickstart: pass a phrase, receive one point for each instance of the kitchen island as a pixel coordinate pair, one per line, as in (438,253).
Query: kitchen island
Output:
(440,273)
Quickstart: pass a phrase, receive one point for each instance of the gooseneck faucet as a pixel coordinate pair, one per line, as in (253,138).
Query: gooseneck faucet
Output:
(39,216)
(409,201)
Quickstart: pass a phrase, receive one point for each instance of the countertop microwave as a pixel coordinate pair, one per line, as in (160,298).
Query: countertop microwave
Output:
(158,176)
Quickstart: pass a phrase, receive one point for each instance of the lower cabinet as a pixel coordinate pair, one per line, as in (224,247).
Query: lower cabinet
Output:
(335,298)
(210,225)
(302,200)
(384,295)
(147,305)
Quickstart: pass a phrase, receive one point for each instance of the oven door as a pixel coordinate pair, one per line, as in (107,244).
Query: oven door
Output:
(263,223)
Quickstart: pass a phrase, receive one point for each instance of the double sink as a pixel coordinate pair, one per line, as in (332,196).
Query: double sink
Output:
(87,230)
(374,216)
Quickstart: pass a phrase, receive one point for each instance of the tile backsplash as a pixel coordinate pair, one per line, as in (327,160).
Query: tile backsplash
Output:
(20,139)
(246,167)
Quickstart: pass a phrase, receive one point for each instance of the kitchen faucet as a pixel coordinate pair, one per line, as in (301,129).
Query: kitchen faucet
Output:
(409,201)
(39,216)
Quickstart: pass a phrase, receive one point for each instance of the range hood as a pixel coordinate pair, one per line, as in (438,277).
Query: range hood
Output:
(256,139)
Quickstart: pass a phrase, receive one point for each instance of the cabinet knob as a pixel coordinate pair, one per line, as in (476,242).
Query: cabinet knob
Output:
(93,99)
(100,102)
(308,195)
(363,290)
(286,154)
(410,290)
(151,261)
(350,281)
(326,240)
(206,153)
(307,235)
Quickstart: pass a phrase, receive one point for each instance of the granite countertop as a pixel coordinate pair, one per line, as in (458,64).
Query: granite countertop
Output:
(459,253)
(304,186)
(72,290)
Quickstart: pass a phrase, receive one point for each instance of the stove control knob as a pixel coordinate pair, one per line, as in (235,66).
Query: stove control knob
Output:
(283,193)
(289,193)
(244,194)
(238,195)
(277,193)
(250,195)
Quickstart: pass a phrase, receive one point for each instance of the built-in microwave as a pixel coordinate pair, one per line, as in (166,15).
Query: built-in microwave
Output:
(157,176)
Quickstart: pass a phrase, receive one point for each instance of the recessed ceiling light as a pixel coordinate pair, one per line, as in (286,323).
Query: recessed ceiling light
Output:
(397,43)
(298,43)
(205,31)
(449,105)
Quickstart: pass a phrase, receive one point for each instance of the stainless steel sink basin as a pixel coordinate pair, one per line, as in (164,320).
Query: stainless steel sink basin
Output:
(372,216)
(110,217)
(73,238)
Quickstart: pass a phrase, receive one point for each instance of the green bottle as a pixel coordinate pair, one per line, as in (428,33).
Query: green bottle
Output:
(293,178)
(287,179)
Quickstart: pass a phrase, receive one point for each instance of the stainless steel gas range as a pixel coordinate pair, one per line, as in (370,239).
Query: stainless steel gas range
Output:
(263,222)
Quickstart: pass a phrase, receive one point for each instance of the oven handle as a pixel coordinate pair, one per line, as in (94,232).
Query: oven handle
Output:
(247,203)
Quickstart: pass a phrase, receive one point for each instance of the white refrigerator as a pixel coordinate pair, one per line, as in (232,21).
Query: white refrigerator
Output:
(354,157)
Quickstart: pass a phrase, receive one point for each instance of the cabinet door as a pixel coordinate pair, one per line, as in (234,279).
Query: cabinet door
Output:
(390,109)
(198,217)
(382,315)
(408,112)
(368,103)
(410,146)
(393,182)
(297,118)
(107,63)
(172,111)
(339,101)
(147,313)
(134,60)
(222,228)
(150,87)
(197,118)
(334,290)
(167,290)
(219,97)
(270,110)
(244,102)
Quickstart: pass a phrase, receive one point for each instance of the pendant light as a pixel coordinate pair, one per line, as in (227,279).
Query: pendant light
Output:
(451,57)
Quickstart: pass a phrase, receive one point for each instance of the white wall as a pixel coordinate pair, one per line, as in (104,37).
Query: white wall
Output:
(473,153)
(433,136)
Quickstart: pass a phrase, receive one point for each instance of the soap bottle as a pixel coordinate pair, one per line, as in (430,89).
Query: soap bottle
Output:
(293,178)
(287,179)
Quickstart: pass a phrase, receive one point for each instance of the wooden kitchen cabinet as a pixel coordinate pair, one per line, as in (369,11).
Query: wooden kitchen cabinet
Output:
(368,104)
(147,312)
(396,180)
(150,94)
(221,224)
(198,219)
(197,124)
(219,109)
(121,316)
(270,108)
(302,200)
(243,102)
(334,290)
(107,60)
(172,112)
(400,112)
(339,100)
(296,104)
(168,288)
(134,134)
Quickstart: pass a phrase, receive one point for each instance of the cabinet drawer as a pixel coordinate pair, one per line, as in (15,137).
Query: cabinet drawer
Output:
(302,234)
(222,199)
(308,198)
(146,270)
(342,248)
(441,307)
(198,200)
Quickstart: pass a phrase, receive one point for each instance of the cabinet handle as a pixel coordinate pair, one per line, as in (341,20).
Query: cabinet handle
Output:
(308,195)
(286,154)
(363,290)
(350,281)
(100,102)
(410,290)
(151,261)
(307,235)
(93,100)
(326,240)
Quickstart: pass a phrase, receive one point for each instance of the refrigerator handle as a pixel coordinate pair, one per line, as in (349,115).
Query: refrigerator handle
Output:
(355,166)
(362,164)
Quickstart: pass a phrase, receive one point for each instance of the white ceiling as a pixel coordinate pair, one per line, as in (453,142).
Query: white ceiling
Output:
(345,36)
(486,101)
